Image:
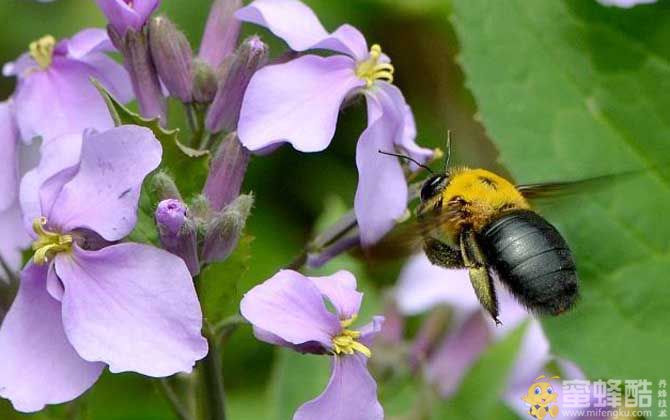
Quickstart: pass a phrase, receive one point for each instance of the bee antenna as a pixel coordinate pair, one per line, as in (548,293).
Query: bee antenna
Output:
(407,158)
(448,160)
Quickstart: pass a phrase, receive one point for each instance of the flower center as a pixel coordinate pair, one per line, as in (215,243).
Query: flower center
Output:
(346,343)
(48,244)
(372,70)
(42,50)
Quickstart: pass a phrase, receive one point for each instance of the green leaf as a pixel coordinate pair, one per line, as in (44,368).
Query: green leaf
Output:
(570,89)
(145,230)
(297,378)
(188,166)
(221,285)
(479,395)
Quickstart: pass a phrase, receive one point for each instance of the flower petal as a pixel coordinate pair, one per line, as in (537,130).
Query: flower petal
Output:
(340,289)
(347,40)
(111,75)
(422,286)
(54,284)
(290,306)
(626,4)
(124,15)
(113,166)
(532,357)
(9,157)
(60,100)
(313,347)
(19,68)
(38,365)
(296,23)
(459,351)
(381,196)
(370,330)
(393,99)
(56,155)
(351,394)
(296,102)
(87,41)
(14,238)
(133,307)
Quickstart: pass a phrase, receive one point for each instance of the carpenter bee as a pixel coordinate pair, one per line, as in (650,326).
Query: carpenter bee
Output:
(476,220)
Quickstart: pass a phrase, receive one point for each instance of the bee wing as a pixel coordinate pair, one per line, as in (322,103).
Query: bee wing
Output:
(405,239)
(548,190)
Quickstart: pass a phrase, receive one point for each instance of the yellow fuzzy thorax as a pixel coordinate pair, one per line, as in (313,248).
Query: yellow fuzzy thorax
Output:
(483,188)
(480,195)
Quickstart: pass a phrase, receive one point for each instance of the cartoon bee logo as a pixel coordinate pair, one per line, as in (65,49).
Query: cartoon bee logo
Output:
(541,398)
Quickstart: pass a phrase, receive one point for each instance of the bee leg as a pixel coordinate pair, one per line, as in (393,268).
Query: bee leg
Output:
(480,277)
(442,254)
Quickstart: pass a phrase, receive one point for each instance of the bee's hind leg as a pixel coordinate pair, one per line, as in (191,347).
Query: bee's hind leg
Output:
(480,277)
(441,254)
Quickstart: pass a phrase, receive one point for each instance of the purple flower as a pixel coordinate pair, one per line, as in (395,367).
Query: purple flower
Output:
(422,286)
(289,310)
(299,101)
(626,4)
(87,300)
(55,96)
(127,14)
(13,237)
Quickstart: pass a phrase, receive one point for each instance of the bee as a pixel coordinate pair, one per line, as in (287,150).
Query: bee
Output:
(476,220)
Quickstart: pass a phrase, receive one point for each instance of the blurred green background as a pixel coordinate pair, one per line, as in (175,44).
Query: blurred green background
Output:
(294,190)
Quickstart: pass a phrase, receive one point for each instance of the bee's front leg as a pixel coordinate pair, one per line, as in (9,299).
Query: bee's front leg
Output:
(480,277)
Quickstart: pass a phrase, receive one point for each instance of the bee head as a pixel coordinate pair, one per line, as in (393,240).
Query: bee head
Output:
(433,186)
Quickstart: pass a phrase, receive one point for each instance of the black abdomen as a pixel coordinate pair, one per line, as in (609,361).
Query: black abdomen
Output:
(532,259)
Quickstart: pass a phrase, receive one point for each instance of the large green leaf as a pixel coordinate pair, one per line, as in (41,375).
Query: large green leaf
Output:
(569,89)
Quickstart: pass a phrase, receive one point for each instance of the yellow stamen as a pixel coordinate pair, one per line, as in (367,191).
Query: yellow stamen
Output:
(371,69)
(42,50)
(48,244)
(346,343)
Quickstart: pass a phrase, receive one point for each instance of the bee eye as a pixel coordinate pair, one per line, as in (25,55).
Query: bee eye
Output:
(431,187)
(538,391)
(550,391)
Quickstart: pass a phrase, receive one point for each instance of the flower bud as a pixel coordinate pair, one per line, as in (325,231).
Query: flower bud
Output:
(178,233)
(225,110)
(222,32)
(140,66)
(223,231)
(204,82)
(173,57)
(164,186)
(226,172)
(127,14)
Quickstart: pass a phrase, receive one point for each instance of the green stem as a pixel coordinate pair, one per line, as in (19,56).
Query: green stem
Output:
(177,406)
(212,380)
(192,118)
